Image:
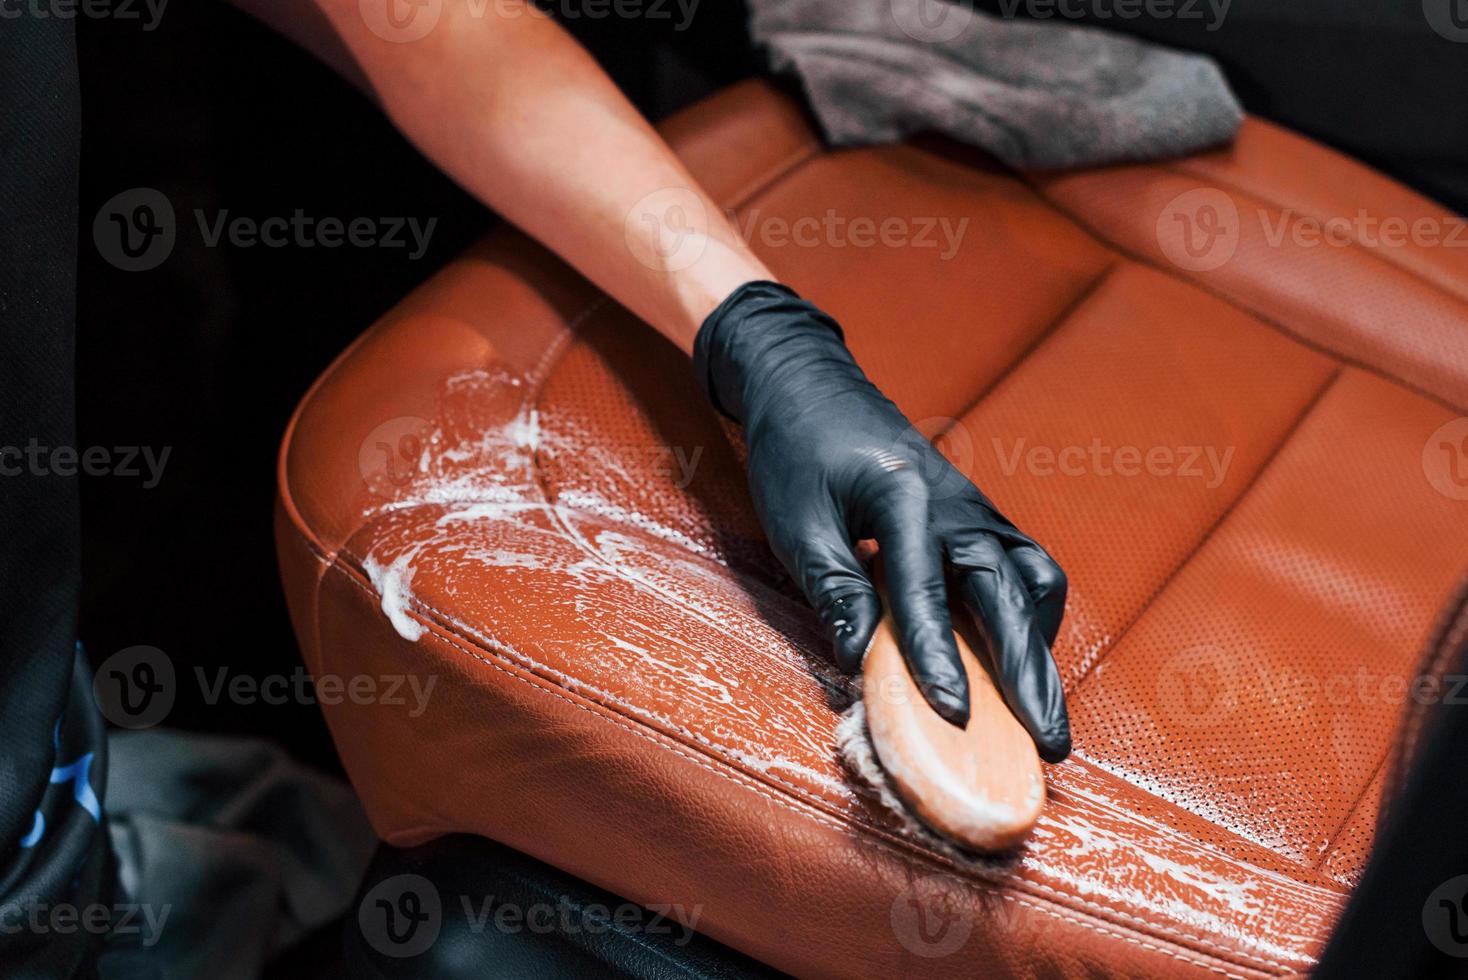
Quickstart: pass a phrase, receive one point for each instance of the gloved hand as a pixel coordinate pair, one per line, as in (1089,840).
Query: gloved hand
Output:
(833,461)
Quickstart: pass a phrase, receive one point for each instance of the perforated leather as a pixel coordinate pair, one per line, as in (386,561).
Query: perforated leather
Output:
(510,485)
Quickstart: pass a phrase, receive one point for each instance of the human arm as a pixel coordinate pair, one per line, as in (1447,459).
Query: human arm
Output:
(509,105)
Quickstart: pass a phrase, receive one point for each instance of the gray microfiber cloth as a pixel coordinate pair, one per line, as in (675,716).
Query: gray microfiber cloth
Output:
(1034,94)
(229,850)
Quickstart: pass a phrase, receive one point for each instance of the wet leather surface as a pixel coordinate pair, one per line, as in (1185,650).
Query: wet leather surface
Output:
(511,486)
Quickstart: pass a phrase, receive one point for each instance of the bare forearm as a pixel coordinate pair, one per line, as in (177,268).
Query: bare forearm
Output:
(513,109)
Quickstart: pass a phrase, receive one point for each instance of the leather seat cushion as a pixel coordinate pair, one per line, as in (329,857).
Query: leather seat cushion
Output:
(512,488)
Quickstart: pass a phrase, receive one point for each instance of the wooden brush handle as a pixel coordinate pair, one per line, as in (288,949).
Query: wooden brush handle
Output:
(982,785)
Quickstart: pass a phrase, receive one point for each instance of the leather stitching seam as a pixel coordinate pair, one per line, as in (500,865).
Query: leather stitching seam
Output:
(442,630)
(1213,528)
(774,174)
(544,368)
(1385,258)
(1066,313)
(1239,304)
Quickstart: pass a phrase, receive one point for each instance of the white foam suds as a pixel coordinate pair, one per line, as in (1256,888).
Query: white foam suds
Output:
(392,583)
(487,472)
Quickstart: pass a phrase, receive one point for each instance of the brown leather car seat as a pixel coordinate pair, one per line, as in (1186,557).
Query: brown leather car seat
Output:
(1240,438)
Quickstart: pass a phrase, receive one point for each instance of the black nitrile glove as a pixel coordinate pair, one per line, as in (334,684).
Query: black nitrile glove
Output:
(833,461)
